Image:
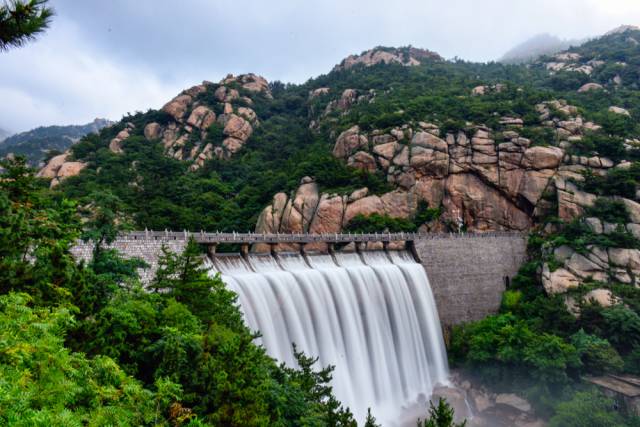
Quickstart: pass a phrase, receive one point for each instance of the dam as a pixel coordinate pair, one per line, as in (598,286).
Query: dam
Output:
(374,306)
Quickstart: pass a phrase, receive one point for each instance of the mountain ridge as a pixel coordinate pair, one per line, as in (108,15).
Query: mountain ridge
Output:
(360,122)
(35,143)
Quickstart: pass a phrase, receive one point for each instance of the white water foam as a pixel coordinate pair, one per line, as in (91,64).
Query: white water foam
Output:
(371,315)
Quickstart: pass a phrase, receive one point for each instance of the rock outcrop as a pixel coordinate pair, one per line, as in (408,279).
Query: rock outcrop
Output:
(405,56)
(59,167)
(481,178)
(192,117)
(308,211)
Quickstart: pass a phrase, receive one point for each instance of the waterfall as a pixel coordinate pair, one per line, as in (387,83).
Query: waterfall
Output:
(371,315)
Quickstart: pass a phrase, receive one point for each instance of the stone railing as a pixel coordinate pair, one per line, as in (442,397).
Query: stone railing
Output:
(249,238)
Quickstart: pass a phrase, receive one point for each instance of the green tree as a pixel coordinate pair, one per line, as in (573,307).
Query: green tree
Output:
(371,420)
(36,233)
(597,354)
(587,409)
(43,383)
(440,416)
(21,21)
(184,277)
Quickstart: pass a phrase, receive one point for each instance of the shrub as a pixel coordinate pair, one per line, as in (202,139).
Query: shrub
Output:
(617,182)
(376,223)
(597,354)
(587,409)
(508,343)
(440,416)
(604,145)
(613,211)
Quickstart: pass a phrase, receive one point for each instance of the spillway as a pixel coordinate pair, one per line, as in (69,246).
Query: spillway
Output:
(372,315)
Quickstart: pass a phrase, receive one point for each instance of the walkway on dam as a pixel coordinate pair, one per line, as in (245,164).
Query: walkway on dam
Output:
(248,238)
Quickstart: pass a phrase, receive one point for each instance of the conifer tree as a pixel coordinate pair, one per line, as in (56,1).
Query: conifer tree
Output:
(440,416)
(21,21)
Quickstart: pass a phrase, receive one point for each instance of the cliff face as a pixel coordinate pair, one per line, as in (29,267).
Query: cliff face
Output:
(485,146)
(482,178)
(205,121)
(195,110)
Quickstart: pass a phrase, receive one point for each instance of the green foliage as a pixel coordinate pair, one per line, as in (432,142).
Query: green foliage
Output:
(425,214)
(440,416)
(43,383)
(33,226)
(587,409)
(601,144)
(178,356)
(510,300)
(621,327)
(507,344)
(612,211)
(21,21)
(215,134)
(579,235)
(567,80)
(184,278)
(42,143)
(376,223)
(617,182)
(227,195)
(371,420)
(597,354)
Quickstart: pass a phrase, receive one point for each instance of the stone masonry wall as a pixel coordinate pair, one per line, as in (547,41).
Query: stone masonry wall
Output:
(468,273)
(147,250)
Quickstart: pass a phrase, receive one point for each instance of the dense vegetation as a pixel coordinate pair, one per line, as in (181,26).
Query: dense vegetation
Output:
(22,21)
(296,135)
(180,355)
(536,347)
(83,344)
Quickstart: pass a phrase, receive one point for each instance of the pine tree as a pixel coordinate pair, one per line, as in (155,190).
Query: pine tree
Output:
(371,420)
(21,21)
(440,416)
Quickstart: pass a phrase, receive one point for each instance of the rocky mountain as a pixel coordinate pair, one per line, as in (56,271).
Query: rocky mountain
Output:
(35,144)
(408,56)
(395,140)
(486,146)
(538,45)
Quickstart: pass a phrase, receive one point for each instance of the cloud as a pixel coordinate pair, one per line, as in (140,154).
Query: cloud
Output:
(104,58)
(60,79)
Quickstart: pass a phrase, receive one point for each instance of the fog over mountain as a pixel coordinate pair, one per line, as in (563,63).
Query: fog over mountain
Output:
(538,45)
(4,134)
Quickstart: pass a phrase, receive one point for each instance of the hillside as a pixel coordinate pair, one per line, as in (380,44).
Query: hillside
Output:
(35,144)
(480,143)
(392,139)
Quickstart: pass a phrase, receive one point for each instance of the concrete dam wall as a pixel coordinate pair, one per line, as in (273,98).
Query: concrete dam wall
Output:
(468,272)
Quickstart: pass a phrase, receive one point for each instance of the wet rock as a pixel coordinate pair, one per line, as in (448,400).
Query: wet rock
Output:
(514,401)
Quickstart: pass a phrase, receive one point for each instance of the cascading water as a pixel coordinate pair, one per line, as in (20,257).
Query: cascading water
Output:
(371,315)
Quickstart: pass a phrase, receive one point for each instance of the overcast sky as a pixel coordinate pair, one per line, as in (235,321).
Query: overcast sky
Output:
(106,58)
